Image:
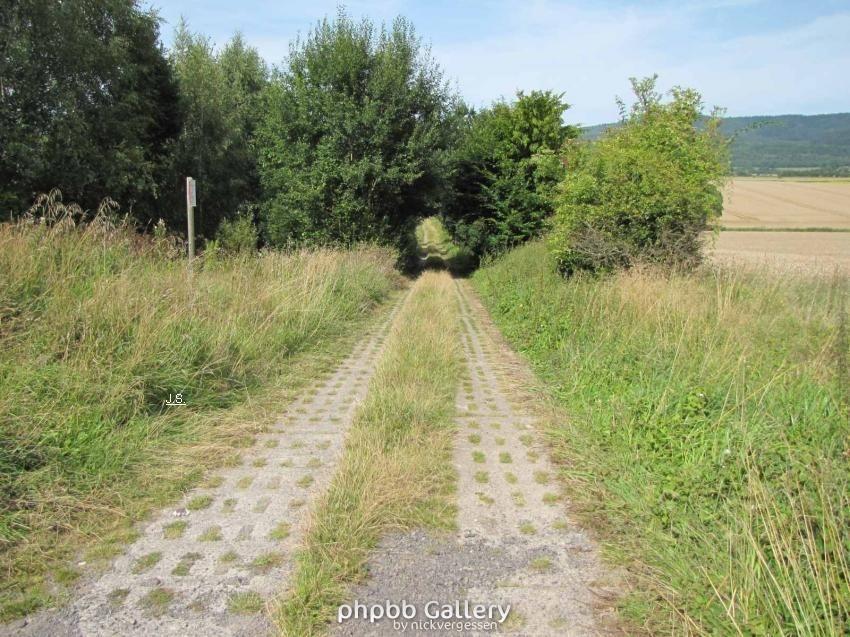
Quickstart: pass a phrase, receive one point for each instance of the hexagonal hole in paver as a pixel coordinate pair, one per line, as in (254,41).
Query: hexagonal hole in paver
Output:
(117,596)
(146,562)
(211,534)
(228,505)
(505,457)
(280,531)
(479,457)
(187,561)
(157,600)
(482,477)
(266,562)
(244,482)
(474,438)
(199,502)
(486,499)
(229,558)
(174,530)
(261,505)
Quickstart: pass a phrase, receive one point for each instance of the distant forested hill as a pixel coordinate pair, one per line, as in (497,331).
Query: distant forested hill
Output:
(784,144)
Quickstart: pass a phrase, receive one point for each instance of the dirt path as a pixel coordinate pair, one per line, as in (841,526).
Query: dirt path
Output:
(514,545)
(210,564)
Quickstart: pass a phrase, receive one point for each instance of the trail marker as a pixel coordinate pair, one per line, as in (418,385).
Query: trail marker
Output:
(191,202)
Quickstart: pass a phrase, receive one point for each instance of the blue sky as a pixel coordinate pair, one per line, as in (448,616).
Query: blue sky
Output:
(753,57)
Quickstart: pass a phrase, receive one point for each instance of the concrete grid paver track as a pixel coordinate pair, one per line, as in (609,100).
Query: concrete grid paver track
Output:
(515,544)
(236,536)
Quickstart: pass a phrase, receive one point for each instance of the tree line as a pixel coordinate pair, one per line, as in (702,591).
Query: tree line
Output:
(355,137)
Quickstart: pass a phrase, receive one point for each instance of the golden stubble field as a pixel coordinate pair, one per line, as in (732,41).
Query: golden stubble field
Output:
(778,211)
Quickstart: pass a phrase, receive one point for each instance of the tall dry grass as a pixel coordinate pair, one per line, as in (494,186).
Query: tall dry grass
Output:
(99,326)
(706,428)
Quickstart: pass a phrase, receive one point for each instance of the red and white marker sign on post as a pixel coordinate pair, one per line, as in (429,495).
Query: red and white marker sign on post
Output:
(191,202)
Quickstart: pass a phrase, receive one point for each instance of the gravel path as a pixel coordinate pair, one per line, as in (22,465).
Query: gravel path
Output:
(515,544)
(210,564)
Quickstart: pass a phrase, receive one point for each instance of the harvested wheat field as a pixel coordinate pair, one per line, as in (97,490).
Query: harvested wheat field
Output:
(806,252)
(781,203)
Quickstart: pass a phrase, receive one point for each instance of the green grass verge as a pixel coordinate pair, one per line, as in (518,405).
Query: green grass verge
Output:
(706,430)
(396,470)
(98,326)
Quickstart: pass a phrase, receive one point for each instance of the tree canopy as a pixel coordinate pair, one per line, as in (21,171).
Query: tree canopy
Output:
(354,142)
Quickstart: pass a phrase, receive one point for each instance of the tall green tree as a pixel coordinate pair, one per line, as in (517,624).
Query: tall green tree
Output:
(645,190)
(505,168)
(354,142)
(220,97)
(88,104)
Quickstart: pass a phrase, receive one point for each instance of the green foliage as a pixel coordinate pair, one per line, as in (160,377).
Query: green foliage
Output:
(220,96)
(352,146)
(706,432)
(645,190)
(88,104)
(238,235)
(505,168)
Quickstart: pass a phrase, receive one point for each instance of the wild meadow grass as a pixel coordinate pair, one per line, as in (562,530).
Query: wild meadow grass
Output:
(706,430)
(98,327)
(396,469)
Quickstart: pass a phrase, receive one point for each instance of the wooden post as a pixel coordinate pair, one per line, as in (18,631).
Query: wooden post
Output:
(190,215)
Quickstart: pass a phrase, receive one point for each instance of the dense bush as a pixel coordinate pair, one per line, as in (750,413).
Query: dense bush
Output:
(505,168)
(646,189)
(353,143)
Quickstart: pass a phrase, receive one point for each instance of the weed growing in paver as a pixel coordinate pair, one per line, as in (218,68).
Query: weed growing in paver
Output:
(526,439)
(486,499)
(117,596)
(541,564)
(228,505)
(199,502)
(527,528)
(482,477)
(229,557)
(510,478)
(305,481)
(505,457)
(245,603)
(474,438)
(185,564)
(296,503)
(244,482)
(541,477)
(314,463)
(560,525)
(532,455)
(280,531)
(551,498)
(146,562)
(211,534)
(478,456)
(174,530)
(259,462)
(267,561)
(518,498)
(157,600)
